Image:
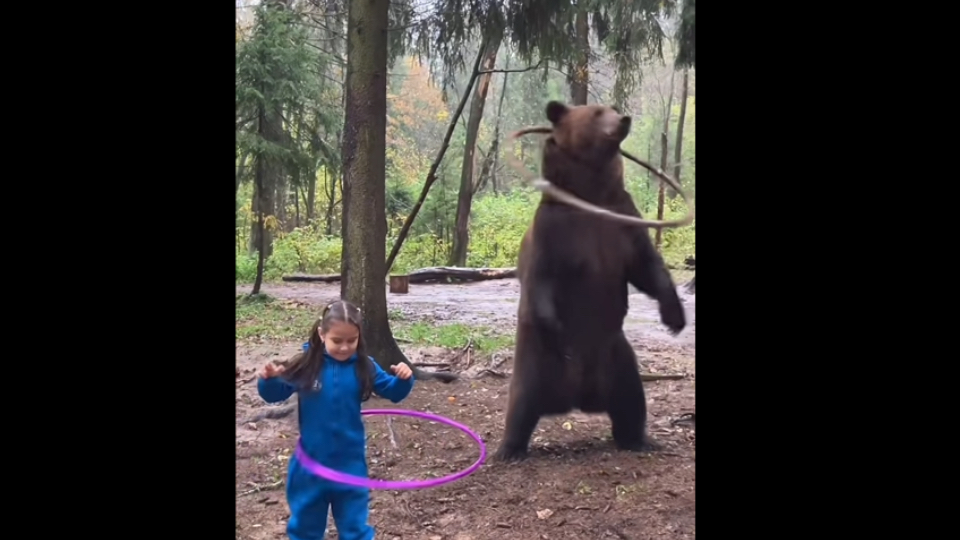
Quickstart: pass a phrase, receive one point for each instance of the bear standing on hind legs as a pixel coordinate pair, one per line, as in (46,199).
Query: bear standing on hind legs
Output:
(574,267)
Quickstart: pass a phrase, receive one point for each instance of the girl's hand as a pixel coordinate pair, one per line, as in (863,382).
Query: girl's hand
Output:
(402,371)
(270,370)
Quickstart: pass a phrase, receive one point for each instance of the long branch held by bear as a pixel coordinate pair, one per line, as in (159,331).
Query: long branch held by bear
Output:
(574,267)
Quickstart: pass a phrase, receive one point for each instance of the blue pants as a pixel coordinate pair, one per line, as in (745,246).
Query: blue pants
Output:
(309,496)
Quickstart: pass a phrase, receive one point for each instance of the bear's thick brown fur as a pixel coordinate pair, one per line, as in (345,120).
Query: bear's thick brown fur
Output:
(574,267)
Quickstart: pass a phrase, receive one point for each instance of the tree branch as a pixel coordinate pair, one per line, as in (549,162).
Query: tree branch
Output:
(520,70)
(432,173)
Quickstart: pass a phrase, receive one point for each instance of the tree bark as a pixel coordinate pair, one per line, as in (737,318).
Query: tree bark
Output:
(678,146)
(293,186)
(579,68)
(264,189)
(257,206)
(664,152)
(241,170)
(658,239)
(311,198)
(329,181)
(296,207)
(364,185)
(461,240)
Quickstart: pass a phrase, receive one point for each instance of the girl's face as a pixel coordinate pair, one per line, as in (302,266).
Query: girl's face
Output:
(340,340)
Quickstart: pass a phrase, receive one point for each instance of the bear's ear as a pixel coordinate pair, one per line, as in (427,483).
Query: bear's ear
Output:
(556,111)
(623,128)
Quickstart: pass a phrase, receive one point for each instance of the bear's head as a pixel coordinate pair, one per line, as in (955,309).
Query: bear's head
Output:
(590,134)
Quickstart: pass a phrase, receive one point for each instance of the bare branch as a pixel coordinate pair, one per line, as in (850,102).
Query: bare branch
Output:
(520,70)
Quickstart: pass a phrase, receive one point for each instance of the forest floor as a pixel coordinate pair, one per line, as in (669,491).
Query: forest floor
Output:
(574,485)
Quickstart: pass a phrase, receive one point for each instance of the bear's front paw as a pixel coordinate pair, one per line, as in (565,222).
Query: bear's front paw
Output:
(673,317)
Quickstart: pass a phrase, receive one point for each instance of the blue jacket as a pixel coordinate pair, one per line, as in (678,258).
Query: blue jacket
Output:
(331,428)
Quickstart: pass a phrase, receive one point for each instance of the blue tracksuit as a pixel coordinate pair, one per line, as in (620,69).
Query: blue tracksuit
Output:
(332,433)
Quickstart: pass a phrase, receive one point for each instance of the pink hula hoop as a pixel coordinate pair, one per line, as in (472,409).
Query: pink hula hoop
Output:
(359,481)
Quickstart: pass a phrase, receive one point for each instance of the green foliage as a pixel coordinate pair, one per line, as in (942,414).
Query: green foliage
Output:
(276,76)
(678,243)
(273,65)
(498,224)
(303,250)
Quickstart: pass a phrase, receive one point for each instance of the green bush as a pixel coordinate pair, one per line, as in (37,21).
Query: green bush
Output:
(496,228)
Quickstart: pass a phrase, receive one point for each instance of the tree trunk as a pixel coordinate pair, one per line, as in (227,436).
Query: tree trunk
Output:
(364,185)
(293,186)
(579,77)
(490,161)
(296,207)
(261,229)
(664,151)
(258,205)
(311,196)
(331,184)
(461,240)
(241,170)
(311,188)
(649,159)
(663,167)
(264,191)
(678,146)
(283,184)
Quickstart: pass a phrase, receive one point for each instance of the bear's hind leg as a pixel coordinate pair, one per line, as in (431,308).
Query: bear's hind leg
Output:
(522,417)
(627,407)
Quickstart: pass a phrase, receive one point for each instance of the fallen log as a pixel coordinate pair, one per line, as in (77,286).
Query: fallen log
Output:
(648,377)
(437,274)
(453,274)
(328,278)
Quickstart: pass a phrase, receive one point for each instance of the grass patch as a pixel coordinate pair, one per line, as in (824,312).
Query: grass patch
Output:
(453,336)
(264,317)
(682,276)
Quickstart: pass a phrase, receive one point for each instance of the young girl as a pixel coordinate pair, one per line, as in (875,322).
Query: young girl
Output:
(332,376)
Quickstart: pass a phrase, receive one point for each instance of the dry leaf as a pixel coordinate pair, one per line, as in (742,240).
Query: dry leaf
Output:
(544,514)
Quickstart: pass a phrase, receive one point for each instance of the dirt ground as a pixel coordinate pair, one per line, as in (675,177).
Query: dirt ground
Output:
(575,485)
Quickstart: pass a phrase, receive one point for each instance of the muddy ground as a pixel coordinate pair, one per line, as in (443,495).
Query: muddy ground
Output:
(575,485)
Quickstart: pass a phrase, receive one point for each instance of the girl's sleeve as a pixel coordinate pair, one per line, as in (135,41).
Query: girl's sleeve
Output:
(390,386)
(274,389)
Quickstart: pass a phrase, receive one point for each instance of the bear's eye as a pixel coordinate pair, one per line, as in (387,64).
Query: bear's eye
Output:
(597,113)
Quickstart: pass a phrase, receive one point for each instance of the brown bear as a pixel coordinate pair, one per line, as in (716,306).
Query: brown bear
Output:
(574,267)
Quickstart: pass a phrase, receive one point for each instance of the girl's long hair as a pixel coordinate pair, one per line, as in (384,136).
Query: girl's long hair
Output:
(305,367)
